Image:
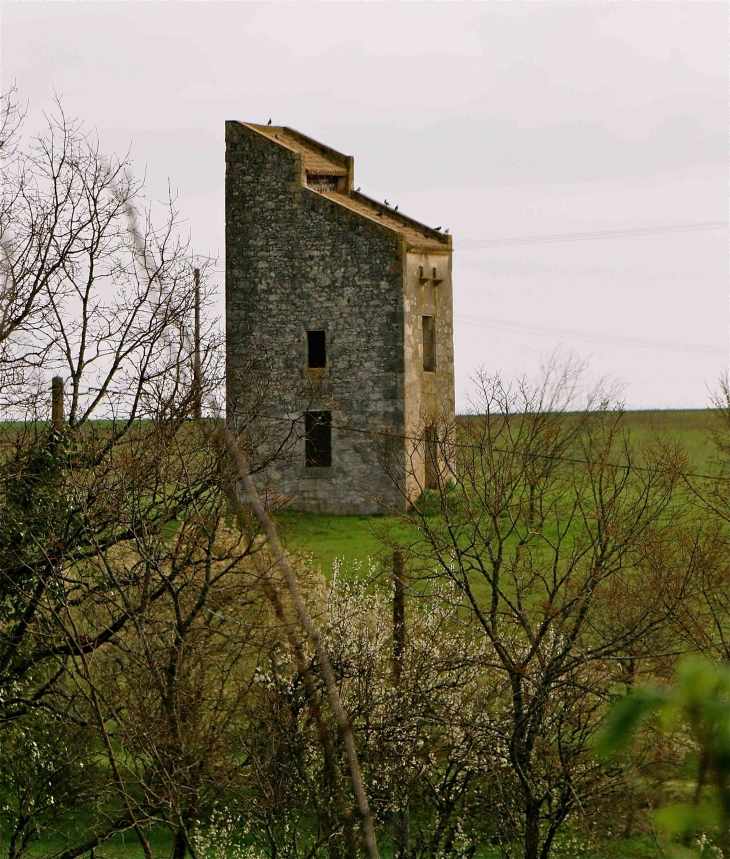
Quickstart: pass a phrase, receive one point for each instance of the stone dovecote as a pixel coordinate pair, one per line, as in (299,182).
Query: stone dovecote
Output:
(338,325)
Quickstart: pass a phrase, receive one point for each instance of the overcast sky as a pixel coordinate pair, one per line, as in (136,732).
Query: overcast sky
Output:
(495,119)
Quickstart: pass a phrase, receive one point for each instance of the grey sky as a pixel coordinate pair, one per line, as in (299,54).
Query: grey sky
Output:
(495,119)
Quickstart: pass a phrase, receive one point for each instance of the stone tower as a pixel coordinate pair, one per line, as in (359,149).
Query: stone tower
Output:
(341,306)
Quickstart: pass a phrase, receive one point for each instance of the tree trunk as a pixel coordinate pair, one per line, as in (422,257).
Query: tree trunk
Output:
(401,833)
(532,829)
(180,845)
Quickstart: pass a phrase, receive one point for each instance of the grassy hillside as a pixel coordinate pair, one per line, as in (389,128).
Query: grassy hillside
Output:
(358,539)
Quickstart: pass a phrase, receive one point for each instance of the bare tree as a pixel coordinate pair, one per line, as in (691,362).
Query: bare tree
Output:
(94,292)
(557,535)
(172,687)
(705,621)
(21,303)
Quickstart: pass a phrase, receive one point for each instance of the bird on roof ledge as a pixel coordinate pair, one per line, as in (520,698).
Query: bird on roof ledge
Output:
(396,209)
(438,229)
(387,203)
(446,231)
(358,190)
(269,122)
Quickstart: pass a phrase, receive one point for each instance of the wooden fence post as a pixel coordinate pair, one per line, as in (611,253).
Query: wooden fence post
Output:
(57,402)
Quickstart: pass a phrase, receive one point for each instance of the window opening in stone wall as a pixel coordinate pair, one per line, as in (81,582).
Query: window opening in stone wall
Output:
(429,343)
(316,349)
(432,458)
(318,439)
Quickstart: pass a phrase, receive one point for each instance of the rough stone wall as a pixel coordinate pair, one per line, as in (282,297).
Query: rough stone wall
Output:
(297,261)
(429,396)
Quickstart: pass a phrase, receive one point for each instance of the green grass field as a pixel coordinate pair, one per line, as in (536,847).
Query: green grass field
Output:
(356,540)
(692,427)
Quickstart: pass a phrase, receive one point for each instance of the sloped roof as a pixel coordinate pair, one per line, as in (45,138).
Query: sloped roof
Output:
(321,160)
(316,163)
(381,213)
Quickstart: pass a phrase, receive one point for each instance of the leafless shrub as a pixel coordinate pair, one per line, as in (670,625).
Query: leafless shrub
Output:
(557,534)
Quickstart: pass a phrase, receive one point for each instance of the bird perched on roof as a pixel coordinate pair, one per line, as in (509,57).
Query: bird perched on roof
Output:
(269,122)
(396,209)
(437,229)
(358,190)
(387,203)
(446,231)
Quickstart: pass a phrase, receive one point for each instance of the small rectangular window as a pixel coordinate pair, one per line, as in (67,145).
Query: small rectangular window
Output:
(316,349)
(318,439)
(429,343)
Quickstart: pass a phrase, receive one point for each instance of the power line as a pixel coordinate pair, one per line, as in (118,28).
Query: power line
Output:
(548,456)
(600,234)
(419,440)
(610,339)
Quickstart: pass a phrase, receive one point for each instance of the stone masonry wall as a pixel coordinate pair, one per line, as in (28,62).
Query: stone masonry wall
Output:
(297,261)
(429,396)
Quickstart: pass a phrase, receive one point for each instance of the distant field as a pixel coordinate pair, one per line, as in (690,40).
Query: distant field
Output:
(356,540)
(692,427)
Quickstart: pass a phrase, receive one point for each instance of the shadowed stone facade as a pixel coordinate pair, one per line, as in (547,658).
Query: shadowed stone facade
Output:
(307,253)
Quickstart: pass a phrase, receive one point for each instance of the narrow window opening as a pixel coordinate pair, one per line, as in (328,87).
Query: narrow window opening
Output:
(432,458)
(321,183)
(429,343)
(318,439)
(316,349)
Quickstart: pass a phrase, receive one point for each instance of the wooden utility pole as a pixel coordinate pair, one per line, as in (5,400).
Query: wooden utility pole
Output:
(57,402)
(197,388)
(401,826)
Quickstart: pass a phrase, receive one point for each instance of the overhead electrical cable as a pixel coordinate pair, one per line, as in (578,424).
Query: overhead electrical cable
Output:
(382,433)
(591,337)
(600,234)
